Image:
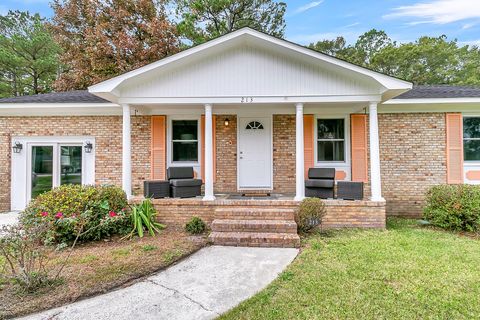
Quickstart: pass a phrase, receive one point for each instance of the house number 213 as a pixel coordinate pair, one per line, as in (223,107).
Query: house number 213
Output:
(246,100)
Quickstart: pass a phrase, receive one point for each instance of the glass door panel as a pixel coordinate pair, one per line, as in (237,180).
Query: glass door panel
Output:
(70,165)
(42,170)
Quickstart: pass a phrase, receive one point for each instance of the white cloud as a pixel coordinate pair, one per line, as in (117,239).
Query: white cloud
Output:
(438,11)
(3,10)
(351,25)
(468,25)
(308,6)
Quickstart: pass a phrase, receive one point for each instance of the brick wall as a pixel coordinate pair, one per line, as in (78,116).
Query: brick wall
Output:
(226,144)
(107,131)
(413,158)
(284,153)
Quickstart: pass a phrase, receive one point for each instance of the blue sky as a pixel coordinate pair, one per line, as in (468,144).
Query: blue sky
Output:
(403,20)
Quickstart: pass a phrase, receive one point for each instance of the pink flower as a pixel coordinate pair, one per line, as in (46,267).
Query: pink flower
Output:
(44,214)
(59,215)
(112,214)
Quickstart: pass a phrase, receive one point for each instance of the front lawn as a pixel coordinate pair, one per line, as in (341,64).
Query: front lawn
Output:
(97,267)
(406,272)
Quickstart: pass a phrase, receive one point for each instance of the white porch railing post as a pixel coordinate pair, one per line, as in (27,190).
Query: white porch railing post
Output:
(126,152)
(209,196)
(375,176)
(300,179)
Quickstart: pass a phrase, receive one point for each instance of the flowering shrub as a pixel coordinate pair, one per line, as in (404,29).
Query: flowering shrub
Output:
(104,208)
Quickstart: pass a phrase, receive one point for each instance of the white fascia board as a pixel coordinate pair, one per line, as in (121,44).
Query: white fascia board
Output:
(390,83)
(251,100)
(59,109)
(432,101)
(55,105)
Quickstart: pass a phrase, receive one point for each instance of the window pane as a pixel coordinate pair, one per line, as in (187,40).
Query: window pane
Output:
(184,129)
(42,169)
(330,128)
(331,151)
(71,165)
(185,151)
(471,127)
(471,150)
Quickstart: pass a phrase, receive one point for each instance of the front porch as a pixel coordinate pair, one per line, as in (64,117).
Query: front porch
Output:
(264,221)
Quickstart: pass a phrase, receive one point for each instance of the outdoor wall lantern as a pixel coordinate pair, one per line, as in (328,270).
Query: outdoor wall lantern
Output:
(227,122)
(88,147)
(17,147)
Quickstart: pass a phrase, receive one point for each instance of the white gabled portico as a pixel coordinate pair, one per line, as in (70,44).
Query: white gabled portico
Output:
(254,76)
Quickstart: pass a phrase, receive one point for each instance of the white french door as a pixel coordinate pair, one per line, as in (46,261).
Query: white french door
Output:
(50,165)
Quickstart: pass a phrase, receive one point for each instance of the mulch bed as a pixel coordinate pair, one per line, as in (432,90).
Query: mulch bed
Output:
(98,267)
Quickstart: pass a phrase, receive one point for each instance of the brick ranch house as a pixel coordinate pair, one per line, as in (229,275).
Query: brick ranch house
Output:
(197,108)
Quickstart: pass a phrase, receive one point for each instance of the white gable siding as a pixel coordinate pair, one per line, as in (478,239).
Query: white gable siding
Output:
(247,71)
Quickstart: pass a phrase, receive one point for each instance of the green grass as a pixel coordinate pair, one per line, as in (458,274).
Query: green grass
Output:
(406,272)
(88,258)
(149,247)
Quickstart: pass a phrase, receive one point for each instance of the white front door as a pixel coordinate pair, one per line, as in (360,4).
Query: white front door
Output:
(255,153)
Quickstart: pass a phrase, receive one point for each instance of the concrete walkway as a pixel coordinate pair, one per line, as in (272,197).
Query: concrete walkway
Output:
(205,285)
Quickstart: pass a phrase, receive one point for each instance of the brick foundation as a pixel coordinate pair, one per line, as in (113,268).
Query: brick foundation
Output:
(340,214)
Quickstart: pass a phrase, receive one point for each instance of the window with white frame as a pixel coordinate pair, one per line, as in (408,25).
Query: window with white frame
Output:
(471,138)
(184,140)
(331,140)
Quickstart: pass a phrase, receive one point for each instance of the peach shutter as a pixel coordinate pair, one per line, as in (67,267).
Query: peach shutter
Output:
(202,135)
(454,123)
(308,142)
(158,154)
(358,123)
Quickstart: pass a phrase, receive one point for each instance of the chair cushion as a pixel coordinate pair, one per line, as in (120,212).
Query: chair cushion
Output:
(321,173)
(318,183)
(180,173)
(186,182)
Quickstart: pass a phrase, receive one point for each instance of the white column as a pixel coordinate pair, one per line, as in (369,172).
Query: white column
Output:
(126,152)
(209,196)
(300,179)
(375,178)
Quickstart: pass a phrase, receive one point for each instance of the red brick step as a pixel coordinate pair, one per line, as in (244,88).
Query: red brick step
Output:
(255,239)
(234,225)
(254,213)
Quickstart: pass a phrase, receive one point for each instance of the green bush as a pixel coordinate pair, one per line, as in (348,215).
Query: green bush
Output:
(454,207)
(195,226)
(309,214)
(103,210)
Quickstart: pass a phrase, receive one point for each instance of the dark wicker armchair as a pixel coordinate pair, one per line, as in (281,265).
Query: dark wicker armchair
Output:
(182,182)
(320,183)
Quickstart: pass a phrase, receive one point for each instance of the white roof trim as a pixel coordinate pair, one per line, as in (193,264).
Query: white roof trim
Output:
(432,101)
(106,89)
(53,105)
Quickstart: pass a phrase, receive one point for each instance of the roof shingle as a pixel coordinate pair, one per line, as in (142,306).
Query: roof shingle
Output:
(441,91)
(76,96)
